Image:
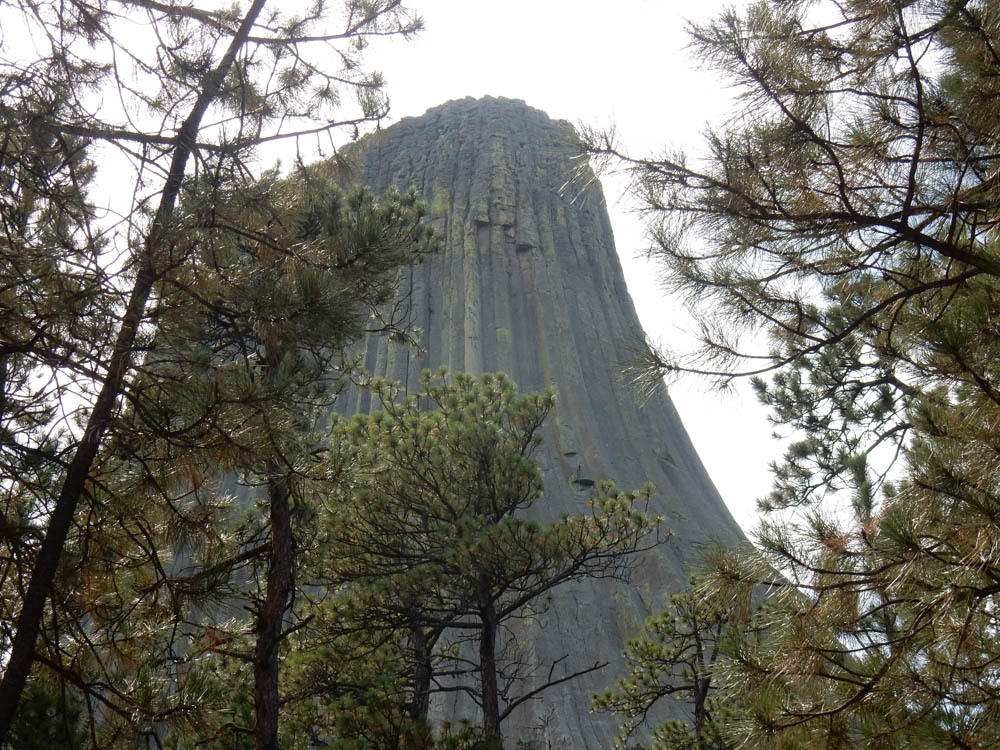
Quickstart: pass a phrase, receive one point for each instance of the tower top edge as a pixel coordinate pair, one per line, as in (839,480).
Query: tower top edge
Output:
(482,104)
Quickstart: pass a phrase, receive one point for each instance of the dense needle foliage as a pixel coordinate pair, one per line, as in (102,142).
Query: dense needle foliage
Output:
(432,555)
(137,227)
(847,216)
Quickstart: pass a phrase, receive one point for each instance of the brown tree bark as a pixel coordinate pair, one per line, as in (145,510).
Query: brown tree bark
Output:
(271,617)
(420,704)
(488,663)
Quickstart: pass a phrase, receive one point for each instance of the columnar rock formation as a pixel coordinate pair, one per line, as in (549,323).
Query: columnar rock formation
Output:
(529,283)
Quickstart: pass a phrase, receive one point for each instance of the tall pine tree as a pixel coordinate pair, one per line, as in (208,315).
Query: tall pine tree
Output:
(431,549)
(142,101)
(847,217)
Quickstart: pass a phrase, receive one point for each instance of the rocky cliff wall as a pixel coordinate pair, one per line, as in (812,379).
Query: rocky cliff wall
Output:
(528,282)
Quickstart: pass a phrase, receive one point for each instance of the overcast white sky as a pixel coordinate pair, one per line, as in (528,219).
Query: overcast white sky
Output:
(600,63)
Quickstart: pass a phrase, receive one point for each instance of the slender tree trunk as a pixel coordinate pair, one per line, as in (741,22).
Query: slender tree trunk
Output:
(488,664)
(44,571)
(420,704)
(700,705)
(271,618)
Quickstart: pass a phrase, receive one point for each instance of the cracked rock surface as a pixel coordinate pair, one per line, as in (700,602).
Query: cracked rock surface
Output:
(528,282)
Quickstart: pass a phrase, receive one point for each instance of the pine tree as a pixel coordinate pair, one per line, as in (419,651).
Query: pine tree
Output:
(433,554)
(177,98)
(675,656)
(285,302)
(849,214)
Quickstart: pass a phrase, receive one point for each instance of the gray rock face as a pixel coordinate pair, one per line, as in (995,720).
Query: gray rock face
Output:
(529,283)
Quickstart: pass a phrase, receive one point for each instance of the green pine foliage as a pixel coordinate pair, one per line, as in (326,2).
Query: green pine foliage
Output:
(50,716)
(675,656)
(847,218)
(428,554)
(161,305)
(235,386)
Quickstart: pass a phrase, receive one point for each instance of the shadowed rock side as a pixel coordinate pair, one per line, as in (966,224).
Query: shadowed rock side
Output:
(529,283)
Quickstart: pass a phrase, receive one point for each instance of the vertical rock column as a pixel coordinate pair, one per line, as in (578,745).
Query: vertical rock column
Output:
(529,283)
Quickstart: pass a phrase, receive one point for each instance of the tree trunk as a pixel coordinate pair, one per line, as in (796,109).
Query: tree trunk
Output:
(271,618)
(420,704)
(488,664)
(700,705)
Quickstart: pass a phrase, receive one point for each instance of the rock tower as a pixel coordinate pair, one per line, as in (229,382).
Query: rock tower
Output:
(528,282)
